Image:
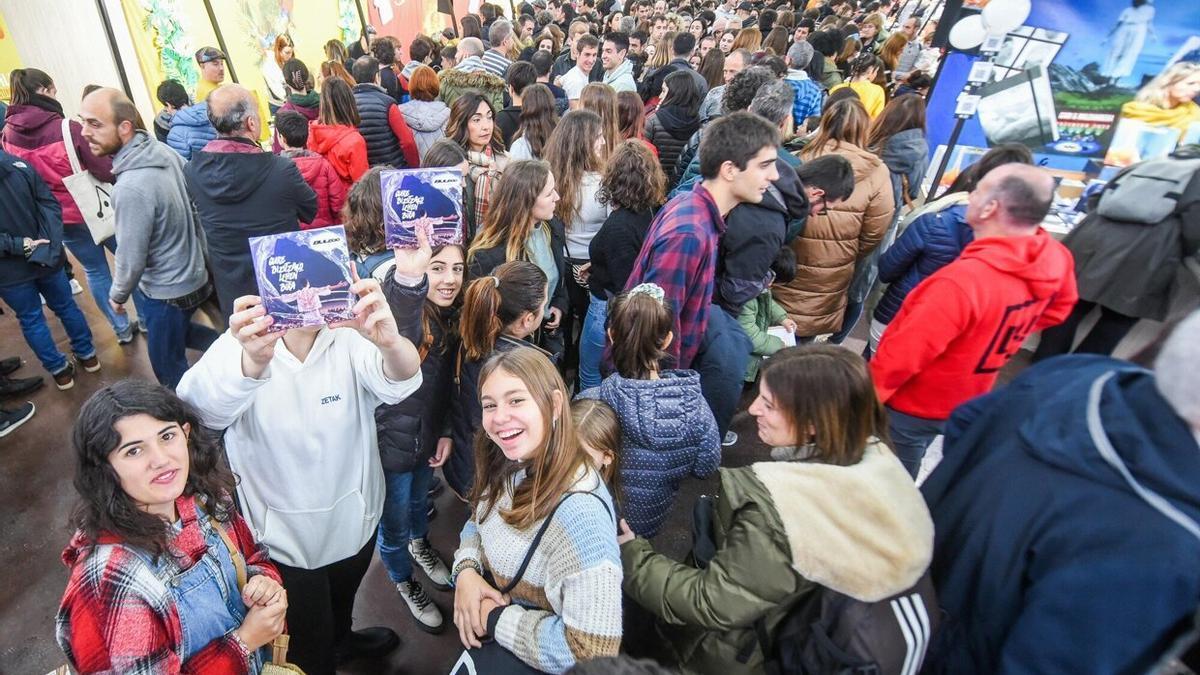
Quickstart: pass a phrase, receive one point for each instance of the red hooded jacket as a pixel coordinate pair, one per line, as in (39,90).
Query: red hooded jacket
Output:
(343,146)
(324,180)
(958,328)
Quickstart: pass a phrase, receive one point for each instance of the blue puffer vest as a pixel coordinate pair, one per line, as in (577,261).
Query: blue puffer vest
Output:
(931,242)
(190,130)
(382,145)
(667,432)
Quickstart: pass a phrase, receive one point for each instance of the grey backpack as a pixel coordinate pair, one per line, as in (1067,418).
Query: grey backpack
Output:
(1148,192)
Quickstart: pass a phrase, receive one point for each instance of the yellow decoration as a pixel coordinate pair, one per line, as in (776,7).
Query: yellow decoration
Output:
(9,60)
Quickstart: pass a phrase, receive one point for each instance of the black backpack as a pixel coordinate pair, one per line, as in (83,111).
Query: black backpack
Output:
(830,633)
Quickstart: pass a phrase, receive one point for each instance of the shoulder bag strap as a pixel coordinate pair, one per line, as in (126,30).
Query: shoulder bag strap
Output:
(239,563)
(72,156)
(537,538)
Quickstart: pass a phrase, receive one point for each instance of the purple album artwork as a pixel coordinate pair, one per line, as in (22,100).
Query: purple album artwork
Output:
(304,277)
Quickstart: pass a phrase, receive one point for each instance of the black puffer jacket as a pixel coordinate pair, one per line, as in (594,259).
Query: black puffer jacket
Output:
(382,145)
(466,415)
(669,129)
(409,430)
(487,259)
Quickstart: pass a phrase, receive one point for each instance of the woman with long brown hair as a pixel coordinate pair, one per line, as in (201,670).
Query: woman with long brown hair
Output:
(539,115)
(531,477)
(281,51)
(472,125)
(776,41)
(712,68)
(836,510)
(633,119)
(890,52)
(335,134)
(898,137)
(749,39)
(334,70)
(601,99)
(845,233)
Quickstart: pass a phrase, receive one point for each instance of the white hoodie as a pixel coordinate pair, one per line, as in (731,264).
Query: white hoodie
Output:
(302,441)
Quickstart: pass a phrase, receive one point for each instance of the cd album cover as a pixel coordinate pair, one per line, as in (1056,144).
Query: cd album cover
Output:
(304,277)
(415,197)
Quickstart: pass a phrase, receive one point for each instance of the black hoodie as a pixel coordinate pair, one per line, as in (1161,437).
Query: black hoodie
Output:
(754,233)
(242,192)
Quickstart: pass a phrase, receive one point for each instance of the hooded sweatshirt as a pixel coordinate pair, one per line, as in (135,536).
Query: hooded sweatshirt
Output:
(242,192)
(907,157)
(669,129)
(33,132)
(162,244)
(621,78)
(343,146)
(1081,569)
(427,119)
(667,432)
(960,326)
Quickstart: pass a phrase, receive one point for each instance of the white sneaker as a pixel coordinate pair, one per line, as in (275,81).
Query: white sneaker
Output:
(430,562)
(76,289)
(426,614)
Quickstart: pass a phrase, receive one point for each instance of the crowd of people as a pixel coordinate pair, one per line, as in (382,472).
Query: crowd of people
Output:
(657,200)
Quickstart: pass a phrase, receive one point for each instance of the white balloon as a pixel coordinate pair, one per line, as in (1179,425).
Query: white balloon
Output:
(968,32)
(1003,16)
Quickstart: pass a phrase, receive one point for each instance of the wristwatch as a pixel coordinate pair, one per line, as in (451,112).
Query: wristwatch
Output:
(28,247)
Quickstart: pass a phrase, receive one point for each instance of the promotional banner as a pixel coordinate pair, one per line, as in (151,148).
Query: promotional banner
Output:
(9,61)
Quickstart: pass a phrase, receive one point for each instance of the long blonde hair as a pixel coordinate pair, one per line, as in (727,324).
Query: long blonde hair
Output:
(602,100)
(555,464)
(509,219)
(571,155)
(748,38)
(845,121)
(1155,92)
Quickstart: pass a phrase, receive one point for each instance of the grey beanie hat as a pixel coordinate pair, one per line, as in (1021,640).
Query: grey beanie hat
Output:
(799,55)
(1175,369)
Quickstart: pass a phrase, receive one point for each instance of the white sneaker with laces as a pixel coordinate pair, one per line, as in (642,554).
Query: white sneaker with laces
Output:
(430,562)
(425,613)
(76,289)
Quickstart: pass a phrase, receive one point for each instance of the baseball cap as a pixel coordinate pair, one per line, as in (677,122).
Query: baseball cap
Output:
(745,7)
(209,54)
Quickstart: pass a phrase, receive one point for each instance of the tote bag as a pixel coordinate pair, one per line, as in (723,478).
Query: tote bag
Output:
(93,196)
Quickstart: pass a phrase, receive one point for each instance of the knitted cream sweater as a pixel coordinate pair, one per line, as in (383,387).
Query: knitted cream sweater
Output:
(567,606)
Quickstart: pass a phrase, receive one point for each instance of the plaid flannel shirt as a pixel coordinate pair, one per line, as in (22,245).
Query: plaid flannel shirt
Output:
(807,103)
(680,255)
(118,616)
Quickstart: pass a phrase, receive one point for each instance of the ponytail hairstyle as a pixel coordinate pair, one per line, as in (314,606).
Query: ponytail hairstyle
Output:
(644,322)
(25,83)
(493,302)
(597,427)
(864,62)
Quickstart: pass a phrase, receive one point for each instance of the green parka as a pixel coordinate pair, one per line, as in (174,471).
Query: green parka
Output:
(781,530)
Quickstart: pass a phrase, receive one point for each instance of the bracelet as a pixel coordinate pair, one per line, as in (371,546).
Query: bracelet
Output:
(464,564)
(237,639)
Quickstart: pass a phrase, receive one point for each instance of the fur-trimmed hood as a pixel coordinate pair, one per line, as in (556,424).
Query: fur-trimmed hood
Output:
(861,530)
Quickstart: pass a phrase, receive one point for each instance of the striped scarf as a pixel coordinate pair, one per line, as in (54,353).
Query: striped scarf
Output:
(485,172)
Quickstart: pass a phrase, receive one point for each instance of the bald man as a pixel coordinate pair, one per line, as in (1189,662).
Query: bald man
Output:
(161,248)
(959,327)
(241,192)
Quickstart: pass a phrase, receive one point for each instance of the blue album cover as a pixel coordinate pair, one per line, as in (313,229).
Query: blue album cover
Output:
(412,197)
(304,277)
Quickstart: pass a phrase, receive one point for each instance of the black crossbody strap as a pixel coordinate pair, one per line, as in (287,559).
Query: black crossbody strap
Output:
(537,538)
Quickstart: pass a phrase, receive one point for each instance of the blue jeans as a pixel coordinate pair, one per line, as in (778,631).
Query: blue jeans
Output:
(591,344)
(405,517)
(78,240)
(911,436)
(172,334)
(25,303)
(721,362)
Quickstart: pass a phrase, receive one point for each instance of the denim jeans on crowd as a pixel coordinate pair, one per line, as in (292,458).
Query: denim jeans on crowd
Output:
(591,344)
(25,303)
(405,517)
(721,362)
(173,333)
(78,240)
(911,436)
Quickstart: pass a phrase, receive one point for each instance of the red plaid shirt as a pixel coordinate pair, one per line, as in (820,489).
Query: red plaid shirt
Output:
(118,616)
(680,255)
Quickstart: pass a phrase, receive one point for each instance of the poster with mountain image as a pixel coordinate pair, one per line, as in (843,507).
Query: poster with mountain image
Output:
(415,198)
(304,277)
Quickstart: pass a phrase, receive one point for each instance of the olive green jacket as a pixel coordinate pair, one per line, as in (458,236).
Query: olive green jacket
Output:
(781,530)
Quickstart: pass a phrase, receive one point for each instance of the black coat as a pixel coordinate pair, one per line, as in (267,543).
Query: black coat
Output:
(669,128)
(242,192)
(1134,268)
(390,83)
(508,119)
(614,250)
(29,210)
(409,430)
(383,147)
(487,259)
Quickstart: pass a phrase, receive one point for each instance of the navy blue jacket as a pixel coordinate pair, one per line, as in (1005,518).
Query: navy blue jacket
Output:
(1046,559)
(667,432)
(382,145)
(930,242)
(190,130)
(30,210)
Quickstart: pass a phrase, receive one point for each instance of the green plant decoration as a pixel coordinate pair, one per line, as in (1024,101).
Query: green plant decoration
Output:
(171,40)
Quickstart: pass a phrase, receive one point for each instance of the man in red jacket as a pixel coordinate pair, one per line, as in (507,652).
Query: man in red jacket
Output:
(958,328)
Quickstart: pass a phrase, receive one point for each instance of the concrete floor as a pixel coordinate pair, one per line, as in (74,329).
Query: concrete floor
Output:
(36,496)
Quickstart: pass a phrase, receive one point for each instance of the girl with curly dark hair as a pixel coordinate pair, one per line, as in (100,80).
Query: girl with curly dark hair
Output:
(633,186)
(154,582)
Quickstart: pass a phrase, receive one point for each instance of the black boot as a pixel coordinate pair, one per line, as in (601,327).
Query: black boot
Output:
(9,365)
(368,643)
(19,386)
